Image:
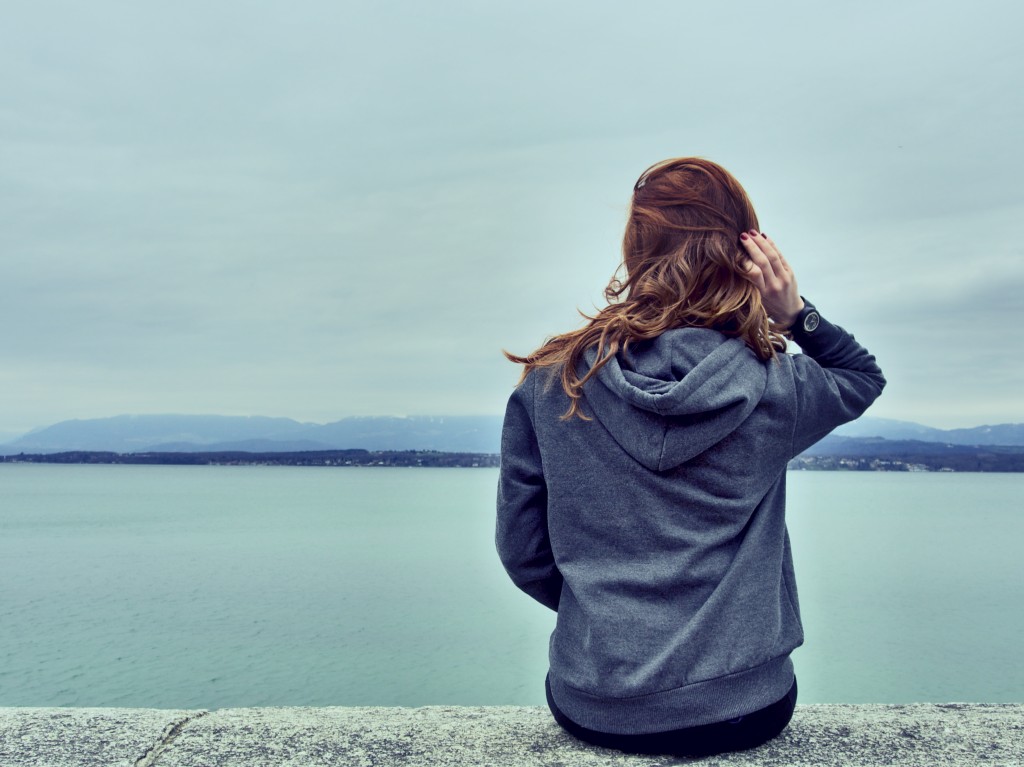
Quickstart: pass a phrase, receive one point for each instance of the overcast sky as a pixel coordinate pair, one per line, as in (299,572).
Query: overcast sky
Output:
(321,209)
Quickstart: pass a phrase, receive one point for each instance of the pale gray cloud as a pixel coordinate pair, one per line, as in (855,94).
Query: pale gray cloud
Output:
(325,209)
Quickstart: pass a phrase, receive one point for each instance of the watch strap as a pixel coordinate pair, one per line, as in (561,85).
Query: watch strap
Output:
(808,320)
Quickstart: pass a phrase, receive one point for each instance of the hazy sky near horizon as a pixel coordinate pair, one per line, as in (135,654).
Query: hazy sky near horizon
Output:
(324,209)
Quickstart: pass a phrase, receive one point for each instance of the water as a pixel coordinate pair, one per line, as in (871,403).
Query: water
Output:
(204,587)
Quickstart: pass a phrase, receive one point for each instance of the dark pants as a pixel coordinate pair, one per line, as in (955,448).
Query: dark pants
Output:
(734,735)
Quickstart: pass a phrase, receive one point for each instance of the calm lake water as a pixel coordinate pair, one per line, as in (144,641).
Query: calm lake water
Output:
(204,587)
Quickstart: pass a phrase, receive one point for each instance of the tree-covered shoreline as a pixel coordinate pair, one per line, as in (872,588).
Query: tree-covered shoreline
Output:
(402,458)
(959,459)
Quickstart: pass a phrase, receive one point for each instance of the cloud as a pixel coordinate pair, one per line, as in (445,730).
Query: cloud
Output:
(336,209)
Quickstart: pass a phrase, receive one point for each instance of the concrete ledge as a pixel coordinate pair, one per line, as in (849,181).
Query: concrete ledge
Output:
(449,736)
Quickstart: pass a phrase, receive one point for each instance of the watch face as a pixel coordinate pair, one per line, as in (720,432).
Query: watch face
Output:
(811,320)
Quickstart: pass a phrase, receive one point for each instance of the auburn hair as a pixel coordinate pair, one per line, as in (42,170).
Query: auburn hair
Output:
(682,266)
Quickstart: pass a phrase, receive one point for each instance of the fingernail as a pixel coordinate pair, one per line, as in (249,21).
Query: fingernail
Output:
(753,232)
(743,236)
(764,235)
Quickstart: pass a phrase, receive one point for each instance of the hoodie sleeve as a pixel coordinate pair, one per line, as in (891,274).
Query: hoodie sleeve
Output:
(522,527)
(836,380)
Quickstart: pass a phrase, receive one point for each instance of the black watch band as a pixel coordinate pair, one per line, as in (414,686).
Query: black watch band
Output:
(808,320)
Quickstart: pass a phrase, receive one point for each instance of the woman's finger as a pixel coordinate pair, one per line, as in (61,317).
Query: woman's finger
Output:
(771,252)
(755,248)
(775,248)
(755,275)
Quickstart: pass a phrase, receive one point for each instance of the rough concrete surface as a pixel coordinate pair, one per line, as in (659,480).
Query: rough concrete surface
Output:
(446,736)
(111,737)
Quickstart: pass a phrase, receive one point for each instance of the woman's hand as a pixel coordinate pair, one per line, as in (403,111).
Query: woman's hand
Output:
(768,270)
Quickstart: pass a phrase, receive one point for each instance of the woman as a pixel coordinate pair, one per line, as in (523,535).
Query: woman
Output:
(643,468)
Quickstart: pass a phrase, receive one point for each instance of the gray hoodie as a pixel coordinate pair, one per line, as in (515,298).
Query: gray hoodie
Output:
(657,528)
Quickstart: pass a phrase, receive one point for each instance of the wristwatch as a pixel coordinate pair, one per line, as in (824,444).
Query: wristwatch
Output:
(808,319)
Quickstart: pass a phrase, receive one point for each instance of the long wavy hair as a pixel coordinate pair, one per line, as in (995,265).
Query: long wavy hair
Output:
(683,266)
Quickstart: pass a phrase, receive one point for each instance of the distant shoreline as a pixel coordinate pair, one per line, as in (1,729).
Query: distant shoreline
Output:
(400,458)
(980,459)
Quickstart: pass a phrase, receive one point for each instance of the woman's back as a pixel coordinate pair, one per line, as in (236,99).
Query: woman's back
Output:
(653,518)
(665,514)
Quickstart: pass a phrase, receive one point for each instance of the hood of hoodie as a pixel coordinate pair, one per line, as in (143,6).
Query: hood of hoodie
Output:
(670,399)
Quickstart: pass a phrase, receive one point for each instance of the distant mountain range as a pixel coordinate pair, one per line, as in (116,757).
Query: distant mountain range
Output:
(885,428)
(466,434)
(213,433)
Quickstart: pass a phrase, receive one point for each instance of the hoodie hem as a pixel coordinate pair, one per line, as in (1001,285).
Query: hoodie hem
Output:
(706,702)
